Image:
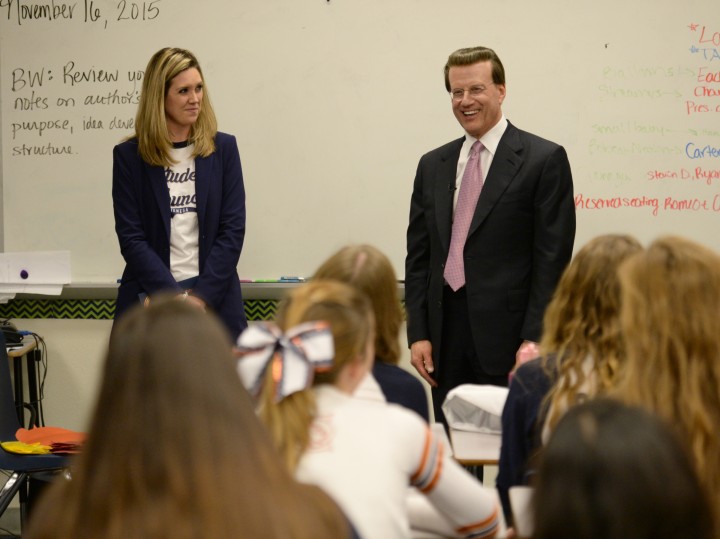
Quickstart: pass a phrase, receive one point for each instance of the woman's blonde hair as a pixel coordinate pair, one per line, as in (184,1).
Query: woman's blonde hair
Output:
(670,313)
(151,128)
(581,322)
(175,449)
(368,269)
(349,315)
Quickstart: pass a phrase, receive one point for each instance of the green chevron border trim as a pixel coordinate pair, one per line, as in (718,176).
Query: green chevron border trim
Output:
(261,309)
(72,309)
(104,309)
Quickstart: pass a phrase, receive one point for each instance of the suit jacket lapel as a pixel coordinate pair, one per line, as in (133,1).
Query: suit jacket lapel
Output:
(444,191)
(203,177)
(161,192)
(504,167)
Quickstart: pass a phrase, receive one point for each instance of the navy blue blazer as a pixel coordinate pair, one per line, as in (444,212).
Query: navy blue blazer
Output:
(141,203)
(401,387)
(523,417)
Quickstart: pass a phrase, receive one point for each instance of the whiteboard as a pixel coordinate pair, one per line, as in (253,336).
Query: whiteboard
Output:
(333,103)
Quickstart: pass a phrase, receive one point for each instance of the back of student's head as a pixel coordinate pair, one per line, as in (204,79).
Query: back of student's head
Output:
(368,269)
(168,364)
(582,320)
(344,308)
(611,471)
(348,314)
(670,313)
(175,448)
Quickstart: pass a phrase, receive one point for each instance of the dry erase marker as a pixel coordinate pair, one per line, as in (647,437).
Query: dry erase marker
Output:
(293,279)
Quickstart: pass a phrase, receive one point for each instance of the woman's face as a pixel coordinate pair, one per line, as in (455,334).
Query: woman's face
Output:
(182,103)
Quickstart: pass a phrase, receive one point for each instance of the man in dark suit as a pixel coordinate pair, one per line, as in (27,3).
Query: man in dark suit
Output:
(504,265)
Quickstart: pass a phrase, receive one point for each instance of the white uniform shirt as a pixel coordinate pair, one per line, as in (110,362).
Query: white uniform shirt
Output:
(490,141)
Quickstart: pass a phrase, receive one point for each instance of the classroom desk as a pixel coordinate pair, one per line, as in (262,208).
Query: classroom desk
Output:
(29,351)
(475,448)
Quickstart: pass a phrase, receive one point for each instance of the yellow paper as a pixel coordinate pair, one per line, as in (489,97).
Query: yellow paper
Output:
(25,449)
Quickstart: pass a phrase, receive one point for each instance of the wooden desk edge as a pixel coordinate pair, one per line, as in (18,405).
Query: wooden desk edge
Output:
(28,346)
(477,462)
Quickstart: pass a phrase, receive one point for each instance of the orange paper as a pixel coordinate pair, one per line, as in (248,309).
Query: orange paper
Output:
(49,436)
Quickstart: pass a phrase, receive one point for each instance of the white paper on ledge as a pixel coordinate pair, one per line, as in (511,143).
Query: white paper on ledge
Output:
(37,272)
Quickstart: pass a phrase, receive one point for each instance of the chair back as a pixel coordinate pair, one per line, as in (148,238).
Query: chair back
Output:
(9,423)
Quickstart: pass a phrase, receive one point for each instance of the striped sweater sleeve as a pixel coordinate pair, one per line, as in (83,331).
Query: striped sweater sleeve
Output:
(459,497)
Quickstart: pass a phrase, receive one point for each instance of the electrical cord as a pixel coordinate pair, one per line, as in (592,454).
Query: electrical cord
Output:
(40,375)
(39,355)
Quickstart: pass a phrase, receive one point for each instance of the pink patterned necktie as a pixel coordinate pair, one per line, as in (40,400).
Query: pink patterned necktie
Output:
(472,183)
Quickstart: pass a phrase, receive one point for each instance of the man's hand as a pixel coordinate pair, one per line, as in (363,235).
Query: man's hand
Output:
(528,350)
(421,359)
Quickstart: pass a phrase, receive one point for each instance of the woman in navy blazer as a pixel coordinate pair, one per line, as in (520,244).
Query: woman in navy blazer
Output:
(190,240)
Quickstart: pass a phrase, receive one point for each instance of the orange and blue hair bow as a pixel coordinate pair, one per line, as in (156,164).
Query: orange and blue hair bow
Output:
(294,356)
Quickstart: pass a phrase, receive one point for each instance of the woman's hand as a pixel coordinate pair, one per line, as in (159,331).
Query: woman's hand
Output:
(193,300)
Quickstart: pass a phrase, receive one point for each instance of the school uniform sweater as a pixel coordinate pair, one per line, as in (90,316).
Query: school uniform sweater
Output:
(365,454)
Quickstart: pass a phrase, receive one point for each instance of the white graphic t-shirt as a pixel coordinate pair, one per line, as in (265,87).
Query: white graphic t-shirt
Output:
(184,245)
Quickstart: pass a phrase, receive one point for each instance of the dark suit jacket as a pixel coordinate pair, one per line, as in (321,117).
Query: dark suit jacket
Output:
(141,203)
(520,240)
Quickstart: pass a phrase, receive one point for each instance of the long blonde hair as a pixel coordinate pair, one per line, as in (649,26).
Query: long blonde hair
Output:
(175,450)
(151,128)
(368,269)
(581,322)
(670,313)
(350,317)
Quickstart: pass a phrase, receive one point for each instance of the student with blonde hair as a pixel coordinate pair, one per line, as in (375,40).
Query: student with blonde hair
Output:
(364,453)
(581,343)
(669,319)
(369,270)
(175,450)
(581,349)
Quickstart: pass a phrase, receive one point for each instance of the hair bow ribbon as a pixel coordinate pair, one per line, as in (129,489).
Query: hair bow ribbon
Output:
(293,356)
